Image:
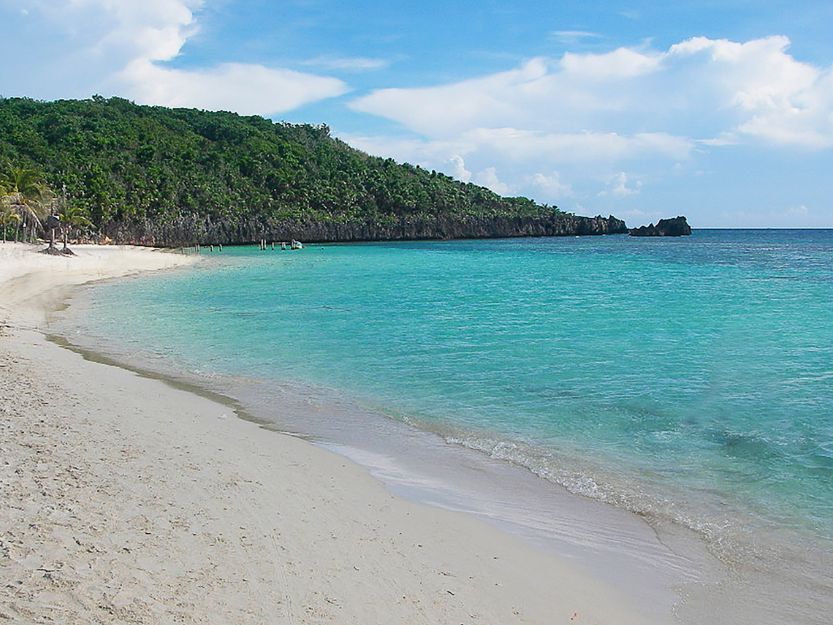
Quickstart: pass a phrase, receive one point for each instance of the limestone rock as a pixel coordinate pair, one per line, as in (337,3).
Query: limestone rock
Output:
(676,227)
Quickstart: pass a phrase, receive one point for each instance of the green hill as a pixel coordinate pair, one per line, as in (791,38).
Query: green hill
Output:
(174,176)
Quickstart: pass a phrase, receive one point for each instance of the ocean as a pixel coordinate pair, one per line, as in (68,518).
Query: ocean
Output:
(688,381)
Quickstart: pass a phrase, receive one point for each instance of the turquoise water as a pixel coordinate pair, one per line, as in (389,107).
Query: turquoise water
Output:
(690,378)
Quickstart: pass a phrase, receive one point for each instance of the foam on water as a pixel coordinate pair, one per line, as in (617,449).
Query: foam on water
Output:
(689,381)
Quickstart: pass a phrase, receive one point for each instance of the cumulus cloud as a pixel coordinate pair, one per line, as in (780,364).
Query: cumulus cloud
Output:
(778,99)
(488,178)
(621,186)
(552,186)
(604,109)
(715,88)
(458,168)
(125,47)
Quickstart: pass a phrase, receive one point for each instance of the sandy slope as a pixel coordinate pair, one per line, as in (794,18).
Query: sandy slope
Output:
(126,500)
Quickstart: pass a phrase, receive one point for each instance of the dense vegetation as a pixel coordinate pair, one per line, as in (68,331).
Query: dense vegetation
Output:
(179,173)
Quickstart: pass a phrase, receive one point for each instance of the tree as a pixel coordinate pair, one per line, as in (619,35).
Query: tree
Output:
(7,217)
(27,196)
(72,216)
(138,170)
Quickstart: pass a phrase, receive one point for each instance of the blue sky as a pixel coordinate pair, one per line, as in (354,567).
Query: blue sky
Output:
(722,111)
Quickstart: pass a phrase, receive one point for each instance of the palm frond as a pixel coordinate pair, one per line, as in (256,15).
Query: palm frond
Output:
(75,216)
(27,212)
(8,218)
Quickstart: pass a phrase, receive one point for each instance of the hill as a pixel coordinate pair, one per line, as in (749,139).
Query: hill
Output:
(165,176)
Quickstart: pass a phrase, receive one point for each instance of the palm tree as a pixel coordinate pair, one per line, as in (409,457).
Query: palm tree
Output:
(7,217)
(72,216)
(5,210)
(26,194)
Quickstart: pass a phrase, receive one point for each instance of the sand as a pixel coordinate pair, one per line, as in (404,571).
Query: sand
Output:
(128,500)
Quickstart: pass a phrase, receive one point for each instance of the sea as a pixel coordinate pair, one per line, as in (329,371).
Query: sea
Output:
(661,405)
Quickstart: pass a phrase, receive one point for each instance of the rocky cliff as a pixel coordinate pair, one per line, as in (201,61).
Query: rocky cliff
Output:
(193,229)
(676,227)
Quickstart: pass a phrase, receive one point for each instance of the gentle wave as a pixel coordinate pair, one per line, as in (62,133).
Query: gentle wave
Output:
(687,381)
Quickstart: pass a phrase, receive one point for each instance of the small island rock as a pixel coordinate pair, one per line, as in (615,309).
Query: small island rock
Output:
(676,227)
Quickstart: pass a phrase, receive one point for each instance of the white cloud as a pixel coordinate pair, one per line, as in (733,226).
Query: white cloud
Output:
(245,89)
(417,151)
(347,63)
(640,217)
(445,109)
(552,186)
(725,138)
(777,98)
(699,89)
(573,36)
(618,186)
(516,152)
(585,112)
(488,178)
(124,47)
(618,65)
(526,145)
(458,168)
(153,30)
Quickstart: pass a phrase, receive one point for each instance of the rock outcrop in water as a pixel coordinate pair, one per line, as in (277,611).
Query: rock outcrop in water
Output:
(193,229)
(676,227)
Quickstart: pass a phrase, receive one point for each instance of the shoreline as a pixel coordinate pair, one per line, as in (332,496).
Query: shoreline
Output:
(589,533)
(694,585)
(658,565)
(138,506)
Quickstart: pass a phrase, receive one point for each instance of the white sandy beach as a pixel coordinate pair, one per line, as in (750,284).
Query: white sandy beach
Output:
(127,500)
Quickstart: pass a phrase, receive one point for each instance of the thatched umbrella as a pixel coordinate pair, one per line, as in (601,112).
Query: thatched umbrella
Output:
(51,223)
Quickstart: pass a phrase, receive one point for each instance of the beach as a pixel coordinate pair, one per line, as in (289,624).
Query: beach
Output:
(128,499)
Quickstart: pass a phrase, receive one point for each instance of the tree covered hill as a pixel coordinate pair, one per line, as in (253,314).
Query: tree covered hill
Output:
(175,176)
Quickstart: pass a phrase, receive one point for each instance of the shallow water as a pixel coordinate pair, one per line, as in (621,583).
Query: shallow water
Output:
(689,380)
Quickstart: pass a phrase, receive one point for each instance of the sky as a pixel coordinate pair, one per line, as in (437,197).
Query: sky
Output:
(718,110)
